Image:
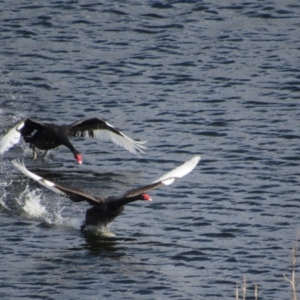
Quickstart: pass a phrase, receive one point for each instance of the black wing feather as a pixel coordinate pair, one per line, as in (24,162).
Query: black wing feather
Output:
(85,127)
(30,126)
(78,195)
(143,189)
(74,195)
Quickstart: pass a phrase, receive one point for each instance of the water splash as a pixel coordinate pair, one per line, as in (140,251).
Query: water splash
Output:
(103,231)
(34,205)
(3,197)
(73,222)
(30,202)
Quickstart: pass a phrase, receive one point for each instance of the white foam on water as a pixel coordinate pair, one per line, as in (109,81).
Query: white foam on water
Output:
(73,222)
(3,196)
(30,202)
(103,231)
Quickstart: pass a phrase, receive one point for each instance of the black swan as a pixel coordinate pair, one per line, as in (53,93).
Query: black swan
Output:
(46,136)
(105,210)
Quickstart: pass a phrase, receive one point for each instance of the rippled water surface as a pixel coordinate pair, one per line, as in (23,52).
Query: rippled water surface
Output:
(191,77)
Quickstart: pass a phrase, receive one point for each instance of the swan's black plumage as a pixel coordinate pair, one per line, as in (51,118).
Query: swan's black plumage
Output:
(105,210)
(46,136)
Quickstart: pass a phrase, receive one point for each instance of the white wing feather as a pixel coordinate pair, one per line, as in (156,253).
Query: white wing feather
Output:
(46,183)
(180,171)
(11,138)
(121,140)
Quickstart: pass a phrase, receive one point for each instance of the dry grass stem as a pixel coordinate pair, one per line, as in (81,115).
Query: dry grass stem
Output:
(244,288)
(293,282)
(256,291)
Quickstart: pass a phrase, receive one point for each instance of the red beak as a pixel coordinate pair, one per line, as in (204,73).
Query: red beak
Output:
(79,158)
(147,197)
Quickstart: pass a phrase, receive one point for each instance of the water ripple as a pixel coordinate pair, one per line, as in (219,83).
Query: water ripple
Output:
(215,79)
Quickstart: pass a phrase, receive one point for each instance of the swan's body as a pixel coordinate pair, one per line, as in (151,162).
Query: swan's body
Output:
(105,210)
(46,136)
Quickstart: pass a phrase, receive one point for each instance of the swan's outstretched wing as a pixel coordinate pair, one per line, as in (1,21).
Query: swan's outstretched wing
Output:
(74,195)
(167,178)
(97,128)
(180,171)
(77,195)
(24,127)
(11,138)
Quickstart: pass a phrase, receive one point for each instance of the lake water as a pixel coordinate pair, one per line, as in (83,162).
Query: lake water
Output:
(191,77)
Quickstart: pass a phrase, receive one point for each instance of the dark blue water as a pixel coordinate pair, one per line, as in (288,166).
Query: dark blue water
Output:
(191,77)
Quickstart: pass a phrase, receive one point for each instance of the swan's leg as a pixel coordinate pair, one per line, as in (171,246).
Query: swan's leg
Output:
(34,154)
(45,153)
